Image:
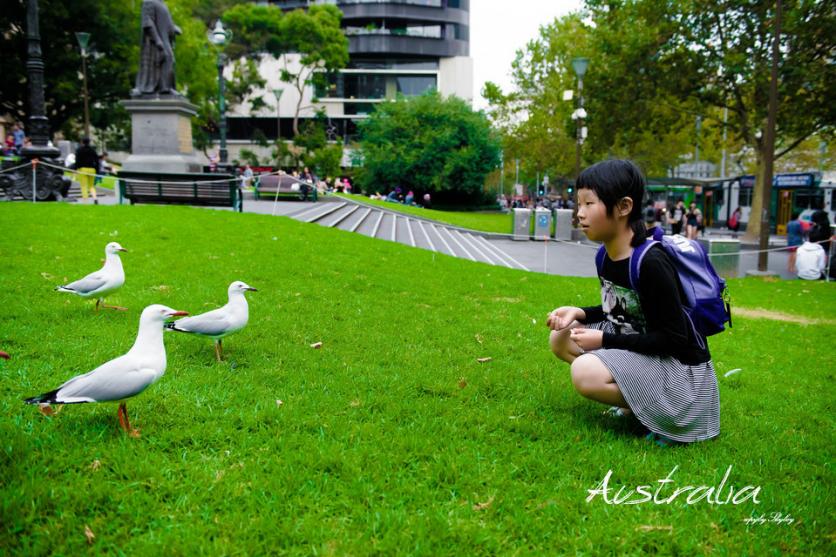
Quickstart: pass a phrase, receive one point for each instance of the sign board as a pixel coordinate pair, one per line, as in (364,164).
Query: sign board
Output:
(794,180)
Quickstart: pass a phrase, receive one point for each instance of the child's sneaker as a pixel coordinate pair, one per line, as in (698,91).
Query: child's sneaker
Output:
(617,412)
(662,441)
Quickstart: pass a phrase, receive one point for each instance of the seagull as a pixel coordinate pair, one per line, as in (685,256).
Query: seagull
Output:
(120,378)
(106,280)
(221,322)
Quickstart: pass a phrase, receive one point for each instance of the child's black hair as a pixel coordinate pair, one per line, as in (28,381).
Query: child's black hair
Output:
(613,180)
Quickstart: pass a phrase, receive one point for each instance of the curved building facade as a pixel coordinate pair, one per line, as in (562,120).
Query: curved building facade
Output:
(396,47)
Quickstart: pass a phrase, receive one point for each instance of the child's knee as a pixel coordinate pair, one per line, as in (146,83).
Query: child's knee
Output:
(584,378)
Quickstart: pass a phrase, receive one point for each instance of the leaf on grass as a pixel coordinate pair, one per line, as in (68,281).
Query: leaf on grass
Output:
(88,533)
(484,505)
(161,288)
(462,383)
(316,345)
(355,403)
(279,402)
(96,464)
(483,360)
(47,276)
(653,527)
(478,338)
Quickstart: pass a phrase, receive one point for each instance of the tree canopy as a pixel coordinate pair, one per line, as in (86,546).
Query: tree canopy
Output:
(112,63)
(655,67)
(314,34)
(430,144)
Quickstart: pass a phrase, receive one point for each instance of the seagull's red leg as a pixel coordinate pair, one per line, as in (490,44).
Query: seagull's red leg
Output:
(98,301)
(117,308)
(125,422)
(220,349)
(122,417)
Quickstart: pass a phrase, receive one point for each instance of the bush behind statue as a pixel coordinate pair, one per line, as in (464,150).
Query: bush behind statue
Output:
(428,144)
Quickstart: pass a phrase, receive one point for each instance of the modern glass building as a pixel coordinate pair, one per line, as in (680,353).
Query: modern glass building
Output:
(396,47)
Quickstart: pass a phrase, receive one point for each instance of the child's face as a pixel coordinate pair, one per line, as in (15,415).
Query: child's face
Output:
(593,218)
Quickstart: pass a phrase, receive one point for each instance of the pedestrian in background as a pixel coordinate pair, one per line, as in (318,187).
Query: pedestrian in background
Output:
(87,165)
(794,239)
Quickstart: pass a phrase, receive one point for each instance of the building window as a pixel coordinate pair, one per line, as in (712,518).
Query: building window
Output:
(391,64)
(372,86)
(744,197)
(354,109)
(415,84)
(809,199)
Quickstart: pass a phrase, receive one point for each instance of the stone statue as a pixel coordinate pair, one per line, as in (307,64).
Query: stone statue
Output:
(156,57)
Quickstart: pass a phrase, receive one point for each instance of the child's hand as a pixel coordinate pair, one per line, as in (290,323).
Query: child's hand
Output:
(587,339)
(564,316)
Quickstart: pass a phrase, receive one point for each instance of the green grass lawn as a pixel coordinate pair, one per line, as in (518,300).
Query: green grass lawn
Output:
(392,438)
(493,221)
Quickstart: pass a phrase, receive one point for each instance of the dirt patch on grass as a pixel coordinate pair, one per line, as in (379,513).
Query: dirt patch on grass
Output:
(759,313)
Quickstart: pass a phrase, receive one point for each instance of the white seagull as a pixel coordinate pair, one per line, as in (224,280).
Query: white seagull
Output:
(106,280)
(221,322)
(120,378)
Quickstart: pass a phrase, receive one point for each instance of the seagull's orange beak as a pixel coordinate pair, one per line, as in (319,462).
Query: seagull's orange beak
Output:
(179,313)
(122,249)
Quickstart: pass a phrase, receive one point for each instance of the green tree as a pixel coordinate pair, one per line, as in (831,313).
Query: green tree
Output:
(111,66)
(314,35)
(428,143)
(729,59)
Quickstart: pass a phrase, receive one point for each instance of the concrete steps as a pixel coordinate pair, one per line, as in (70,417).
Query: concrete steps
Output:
(384,224)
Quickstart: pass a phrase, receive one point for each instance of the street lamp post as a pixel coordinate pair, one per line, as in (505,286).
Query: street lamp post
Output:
(83,39)
(579,65)
(220,37)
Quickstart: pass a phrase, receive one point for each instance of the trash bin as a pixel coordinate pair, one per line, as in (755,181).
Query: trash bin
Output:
(542,223)
(522,224)
(563,224)
(724,254)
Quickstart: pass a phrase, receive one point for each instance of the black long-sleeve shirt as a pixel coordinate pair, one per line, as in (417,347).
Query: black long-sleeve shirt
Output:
(653,320)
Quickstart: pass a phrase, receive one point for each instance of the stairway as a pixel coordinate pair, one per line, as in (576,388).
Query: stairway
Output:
(385,224)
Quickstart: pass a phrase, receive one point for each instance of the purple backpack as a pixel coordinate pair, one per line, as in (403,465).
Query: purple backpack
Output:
(706,302)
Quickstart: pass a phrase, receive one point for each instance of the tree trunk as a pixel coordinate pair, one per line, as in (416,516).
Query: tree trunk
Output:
(753,227)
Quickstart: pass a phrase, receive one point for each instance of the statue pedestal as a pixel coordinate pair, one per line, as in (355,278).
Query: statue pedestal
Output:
(161,136)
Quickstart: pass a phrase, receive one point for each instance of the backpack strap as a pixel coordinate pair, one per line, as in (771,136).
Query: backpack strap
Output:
(636,259)
(599,258)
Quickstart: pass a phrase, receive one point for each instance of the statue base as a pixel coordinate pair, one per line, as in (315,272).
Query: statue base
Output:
(161,135)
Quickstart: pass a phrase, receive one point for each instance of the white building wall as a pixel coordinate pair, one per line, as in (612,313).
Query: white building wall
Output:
(455,77)
(270,69)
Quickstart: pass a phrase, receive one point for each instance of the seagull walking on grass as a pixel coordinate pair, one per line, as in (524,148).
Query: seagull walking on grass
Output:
(105,281)
(123,377)
(221,322)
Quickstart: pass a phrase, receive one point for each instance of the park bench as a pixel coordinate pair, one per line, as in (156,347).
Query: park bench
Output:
(203,189)
(283,184)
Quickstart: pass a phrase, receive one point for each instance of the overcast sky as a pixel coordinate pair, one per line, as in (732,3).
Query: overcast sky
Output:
(499,29)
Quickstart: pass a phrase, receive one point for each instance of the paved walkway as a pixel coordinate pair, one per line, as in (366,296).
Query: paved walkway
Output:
(556,258)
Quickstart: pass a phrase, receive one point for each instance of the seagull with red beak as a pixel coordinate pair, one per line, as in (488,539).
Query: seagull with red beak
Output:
(221,322)
(120,378)
(105,281)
